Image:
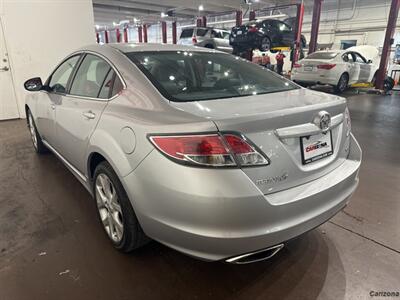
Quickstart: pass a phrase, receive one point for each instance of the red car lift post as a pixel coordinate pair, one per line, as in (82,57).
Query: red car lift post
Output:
(315,26)
(145,33)
(297,45)
(164,31)
(391,27)
(174,37)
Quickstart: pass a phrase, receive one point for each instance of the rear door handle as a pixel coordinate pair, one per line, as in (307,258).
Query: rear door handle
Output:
(89,114)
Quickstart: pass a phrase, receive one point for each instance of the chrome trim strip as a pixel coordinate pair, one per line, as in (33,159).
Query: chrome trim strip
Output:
(236,259)
(75,170)
(306,129)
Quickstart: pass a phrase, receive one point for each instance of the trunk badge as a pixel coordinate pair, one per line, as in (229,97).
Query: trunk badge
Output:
(323,120)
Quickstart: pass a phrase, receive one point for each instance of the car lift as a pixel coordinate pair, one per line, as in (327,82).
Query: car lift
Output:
(248,54)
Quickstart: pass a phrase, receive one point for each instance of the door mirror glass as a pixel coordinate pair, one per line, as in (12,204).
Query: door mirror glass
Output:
(33,84)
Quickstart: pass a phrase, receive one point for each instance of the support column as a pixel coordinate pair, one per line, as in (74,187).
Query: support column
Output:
(164,31)
(239,18)
(97,37)
(126,34)
(140,34)
(390,28)
(204,21)
(297,46)
(252,15)
(315,26)
(106,36)
(118,35)
(198,22)
(145,33)
(174,37)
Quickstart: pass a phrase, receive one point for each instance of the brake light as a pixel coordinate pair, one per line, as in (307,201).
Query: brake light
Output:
(297,66)
(326,66)
(245,154)
(253,29)
(212,150)
(194,40)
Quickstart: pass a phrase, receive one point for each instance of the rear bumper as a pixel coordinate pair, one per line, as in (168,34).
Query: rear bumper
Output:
(218,214)
(314,78)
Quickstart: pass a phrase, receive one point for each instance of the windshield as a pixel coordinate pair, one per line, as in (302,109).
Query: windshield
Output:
(322,55)
(195,76)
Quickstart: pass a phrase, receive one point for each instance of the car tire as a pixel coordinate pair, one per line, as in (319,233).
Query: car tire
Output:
(265,44)
(209,46)
(342,83)
(115,211)
(37,141)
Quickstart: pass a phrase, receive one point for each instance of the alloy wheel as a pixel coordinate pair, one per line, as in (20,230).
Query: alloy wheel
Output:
(109,208)
(32,130)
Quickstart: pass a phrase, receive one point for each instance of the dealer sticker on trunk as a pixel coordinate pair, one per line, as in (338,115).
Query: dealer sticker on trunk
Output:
(316,147)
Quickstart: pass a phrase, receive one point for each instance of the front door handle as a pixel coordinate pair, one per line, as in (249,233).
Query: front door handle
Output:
(89,114)
(4,69)
(53,106)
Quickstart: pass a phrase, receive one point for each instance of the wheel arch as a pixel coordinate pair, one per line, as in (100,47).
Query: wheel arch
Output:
(103,146)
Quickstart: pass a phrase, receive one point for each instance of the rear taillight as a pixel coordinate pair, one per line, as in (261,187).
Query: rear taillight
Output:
(326,66)
(253,29)
(297,66)
(211,150)
(194,40)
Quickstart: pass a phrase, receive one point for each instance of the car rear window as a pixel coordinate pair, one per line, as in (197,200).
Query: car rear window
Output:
(194,76)
(187,33)
(322,55)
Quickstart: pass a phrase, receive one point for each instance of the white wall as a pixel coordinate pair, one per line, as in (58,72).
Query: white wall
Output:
(39,33)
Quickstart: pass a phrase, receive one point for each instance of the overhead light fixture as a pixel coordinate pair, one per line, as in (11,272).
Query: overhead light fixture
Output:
(97,27)
(163,14)
(201,7)
(115,24)
(135,20)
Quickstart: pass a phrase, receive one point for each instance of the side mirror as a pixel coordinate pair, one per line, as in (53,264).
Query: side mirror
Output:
(33,84)
(369,61)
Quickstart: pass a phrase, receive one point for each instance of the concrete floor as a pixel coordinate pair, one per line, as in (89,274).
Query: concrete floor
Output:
(52,246)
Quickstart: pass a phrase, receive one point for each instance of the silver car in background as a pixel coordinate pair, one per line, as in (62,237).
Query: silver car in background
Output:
(202,151)
(207,37)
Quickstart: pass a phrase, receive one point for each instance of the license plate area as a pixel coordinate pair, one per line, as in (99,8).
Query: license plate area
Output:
(316,147)
(239,32)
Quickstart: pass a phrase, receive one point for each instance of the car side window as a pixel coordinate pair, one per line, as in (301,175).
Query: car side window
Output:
(59,79)
(90,77)
(348,57)
(117,86)
(283,26)
(359,58)
(107,85)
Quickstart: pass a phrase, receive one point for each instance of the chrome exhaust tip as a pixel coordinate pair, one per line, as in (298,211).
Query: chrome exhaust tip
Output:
(256,256)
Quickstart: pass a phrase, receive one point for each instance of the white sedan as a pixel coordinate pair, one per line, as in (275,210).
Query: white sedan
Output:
(338,68)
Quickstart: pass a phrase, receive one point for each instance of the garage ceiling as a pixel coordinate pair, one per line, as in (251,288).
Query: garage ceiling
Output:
(106,12)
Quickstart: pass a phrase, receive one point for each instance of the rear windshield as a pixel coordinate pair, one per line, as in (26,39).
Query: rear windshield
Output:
(193,76)
(322,55)
(187,33)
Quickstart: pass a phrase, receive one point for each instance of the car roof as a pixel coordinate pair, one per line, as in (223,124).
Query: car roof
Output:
(143,47)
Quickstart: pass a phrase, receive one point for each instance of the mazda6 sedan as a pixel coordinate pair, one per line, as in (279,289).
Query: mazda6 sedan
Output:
(202,151)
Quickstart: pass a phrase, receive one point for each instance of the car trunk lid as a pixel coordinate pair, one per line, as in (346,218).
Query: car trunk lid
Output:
(275,123)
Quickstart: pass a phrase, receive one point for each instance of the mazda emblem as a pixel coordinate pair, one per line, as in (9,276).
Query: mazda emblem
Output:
(323,120)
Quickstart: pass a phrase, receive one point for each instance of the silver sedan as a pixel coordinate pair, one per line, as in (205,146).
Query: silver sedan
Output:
(202,151)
